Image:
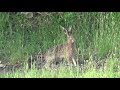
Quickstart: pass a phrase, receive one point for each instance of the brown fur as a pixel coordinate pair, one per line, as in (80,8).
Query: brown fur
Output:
(62,51)
(57,53)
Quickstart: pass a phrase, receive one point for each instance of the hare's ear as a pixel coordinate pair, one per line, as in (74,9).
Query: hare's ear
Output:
(65,31)
(69,30)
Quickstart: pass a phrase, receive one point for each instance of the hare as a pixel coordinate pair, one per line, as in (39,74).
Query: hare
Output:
(65,51)
(57,53)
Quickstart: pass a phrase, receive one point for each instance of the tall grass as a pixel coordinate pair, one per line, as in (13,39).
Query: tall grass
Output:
(96,34)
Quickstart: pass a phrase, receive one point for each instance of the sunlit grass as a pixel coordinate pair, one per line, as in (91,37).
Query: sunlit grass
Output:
(65,72)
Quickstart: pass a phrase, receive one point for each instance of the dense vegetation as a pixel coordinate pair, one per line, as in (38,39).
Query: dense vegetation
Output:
(97,37)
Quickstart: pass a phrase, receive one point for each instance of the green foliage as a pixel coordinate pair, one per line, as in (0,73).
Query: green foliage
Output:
(96,34)
(65,72)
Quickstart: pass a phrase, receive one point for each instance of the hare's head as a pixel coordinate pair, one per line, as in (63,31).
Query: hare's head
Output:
(68,32)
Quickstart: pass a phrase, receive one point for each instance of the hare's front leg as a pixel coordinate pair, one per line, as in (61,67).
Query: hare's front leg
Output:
(74,62)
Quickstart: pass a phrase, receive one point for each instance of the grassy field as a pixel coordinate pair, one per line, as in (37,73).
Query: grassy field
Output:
(97,38)
(64,72)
